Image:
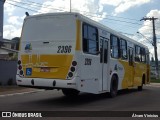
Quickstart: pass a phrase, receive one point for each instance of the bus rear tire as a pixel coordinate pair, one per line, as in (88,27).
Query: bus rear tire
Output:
(70,92)
(140,88)
(114,86)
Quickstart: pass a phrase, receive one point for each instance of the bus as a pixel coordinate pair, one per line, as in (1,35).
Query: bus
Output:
(73,53)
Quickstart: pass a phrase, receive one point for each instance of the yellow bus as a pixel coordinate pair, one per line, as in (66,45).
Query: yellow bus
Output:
(71,52)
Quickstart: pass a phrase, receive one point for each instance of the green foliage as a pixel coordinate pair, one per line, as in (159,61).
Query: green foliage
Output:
(153,80)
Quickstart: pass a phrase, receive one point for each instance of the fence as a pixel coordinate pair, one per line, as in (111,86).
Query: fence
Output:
(8,70)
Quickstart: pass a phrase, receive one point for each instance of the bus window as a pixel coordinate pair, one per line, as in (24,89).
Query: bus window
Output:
(123,48)
(137,53)
(114,47)
(130,54)
(90,39)
(143,55)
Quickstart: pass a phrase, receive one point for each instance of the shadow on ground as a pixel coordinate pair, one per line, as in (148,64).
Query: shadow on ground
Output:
(83,98)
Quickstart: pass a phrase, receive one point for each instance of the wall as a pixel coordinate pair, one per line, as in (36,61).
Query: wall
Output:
(8,70)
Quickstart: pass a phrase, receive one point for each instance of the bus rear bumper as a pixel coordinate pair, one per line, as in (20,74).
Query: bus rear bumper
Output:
(43,83)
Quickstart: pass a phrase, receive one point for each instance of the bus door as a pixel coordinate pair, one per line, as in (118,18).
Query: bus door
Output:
(130,68)
(104,62)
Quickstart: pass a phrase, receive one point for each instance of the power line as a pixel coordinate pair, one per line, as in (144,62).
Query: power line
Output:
(118,20)
(36,5)
(22,7)
(48,6)
(63,10)
(88,13)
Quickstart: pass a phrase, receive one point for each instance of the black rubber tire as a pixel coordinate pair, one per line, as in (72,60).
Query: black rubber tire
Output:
(70,92)
(113,86)
(140,88)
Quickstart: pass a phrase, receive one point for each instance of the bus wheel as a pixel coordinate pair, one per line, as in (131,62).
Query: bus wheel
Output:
(113,86)
(140,88)
(70,92)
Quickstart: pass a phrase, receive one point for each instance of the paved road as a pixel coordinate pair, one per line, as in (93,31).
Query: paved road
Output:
(131,100)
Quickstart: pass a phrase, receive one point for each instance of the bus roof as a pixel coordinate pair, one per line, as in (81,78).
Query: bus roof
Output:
(92,22)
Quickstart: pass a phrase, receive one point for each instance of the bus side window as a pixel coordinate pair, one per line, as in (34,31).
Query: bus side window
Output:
(137,53)
(123,49)
(130,54)
(90,39)
(143,55)
(114,47)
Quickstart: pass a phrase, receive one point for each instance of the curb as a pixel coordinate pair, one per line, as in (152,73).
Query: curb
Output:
(154,84)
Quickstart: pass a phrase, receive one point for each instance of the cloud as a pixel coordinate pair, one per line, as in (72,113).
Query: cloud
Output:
(111,2)
(127,4)
(11,31)
(147,28)
(15,20)
(9,8)
(90,8)
(123,5)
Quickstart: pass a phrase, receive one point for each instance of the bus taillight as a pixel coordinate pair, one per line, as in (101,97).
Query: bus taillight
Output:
(19,62)
(20,67)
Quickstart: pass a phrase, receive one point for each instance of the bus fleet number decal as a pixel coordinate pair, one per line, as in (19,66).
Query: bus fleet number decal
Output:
(88,61)
(64,49)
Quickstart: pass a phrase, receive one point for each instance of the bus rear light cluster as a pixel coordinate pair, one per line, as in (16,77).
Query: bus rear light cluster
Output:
(72,70)
(19,62)
(20,68)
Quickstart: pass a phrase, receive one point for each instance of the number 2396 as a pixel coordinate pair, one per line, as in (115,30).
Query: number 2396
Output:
(64,49)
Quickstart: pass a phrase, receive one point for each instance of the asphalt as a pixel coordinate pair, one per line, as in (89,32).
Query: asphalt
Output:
(52,100)
(9,90)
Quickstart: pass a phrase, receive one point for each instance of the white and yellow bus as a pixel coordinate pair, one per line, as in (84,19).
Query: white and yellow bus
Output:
(71,52)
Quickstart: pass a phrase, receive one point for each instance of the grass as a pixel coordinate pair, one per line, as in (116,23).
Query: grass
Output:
(153,80)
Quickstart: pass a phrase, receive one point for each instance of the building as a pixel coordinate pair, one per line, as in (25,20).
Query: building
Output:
(8,62)
(153,69)
(8,49)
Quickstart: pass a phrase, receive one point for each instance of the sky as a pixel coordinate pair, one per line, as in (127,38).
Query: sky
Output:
(121,15)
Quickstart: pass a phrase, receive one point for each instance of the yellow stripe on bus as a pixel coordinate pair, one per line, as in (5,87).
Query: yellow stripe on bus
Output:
(78,35)
(58,65)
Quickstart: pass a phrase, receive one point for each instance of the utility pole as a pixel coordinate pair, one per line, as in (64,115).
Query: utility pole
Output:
(1,20)
(70,6)
(154,42)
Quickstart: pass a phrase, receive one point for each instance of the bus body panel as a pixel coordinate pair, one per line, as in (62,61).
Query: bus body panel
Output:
(48,48)
(53,56)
